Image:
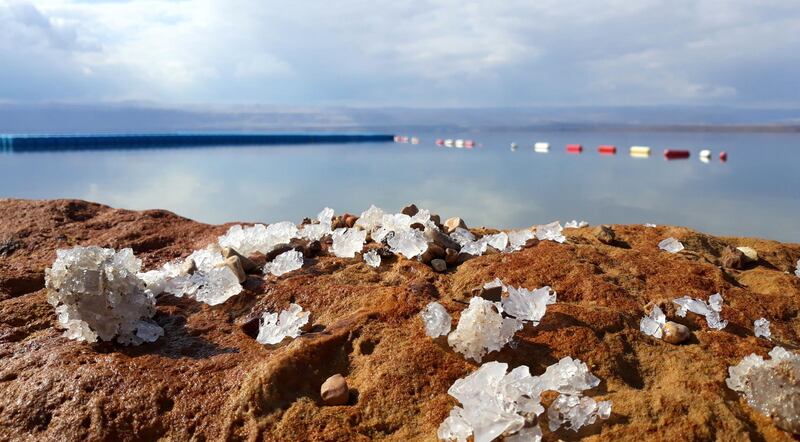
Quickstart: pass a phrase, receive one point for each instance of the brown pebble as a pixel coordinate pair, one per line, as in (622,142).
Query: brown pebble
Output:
(491,294)
(434,251)
(441,239)
(418,226)
(732,258)
(452,223)
(349,220)
(675,333)
(250,325)
(437,220)
(410,210)
(604,234)
(235,264)
(280,248)
(247,264)
(334,390)
(439,265)
(312,249)
(451,256)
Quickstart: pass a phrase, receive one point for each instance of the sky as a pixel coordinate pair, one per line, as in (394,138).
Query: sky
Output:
(402,53)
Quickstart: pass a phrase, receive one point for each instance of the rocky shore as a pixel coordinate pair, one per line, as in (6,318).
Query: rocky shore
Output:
(207,378)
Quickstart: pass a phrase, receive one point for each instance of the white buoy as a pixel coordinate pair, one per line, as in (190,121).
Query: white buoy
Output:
(541,147)
(640,150)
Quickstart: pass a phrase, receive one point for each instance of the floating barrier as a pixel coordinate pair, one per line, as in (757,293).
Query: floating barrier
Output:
(673,154)
(541,147)
(574,148)
(640,150)
(607,149)
(35,143)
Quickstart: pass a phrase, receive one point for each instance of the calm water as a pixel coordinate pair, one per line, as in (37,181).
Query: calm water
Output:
(755,193)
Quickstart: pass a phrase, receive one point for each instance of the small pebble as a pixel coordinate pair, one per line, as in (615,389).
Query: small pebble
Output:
(235,264)
(451,256)
(452,223)
(604,234)
(410,210)
(750,253)
(334,390)
(247,264)
(675,333)
(732,258)
(439,265)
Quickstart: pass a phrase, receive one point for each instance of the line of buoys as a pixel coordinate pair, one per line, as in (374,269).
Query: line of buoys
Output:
(574,148)
(607,149)
(457,143)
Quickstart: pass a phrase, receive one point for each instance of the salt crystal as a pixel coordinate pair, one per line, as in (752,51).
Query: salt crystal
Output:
(436,320)
(258,238)
(482,329)
(275,328)
(568,376)
(527,434)
(650,225)
(653,325)
(212,287)
(575,224)
(97,294)
(576,411)
(462,236)
(284,263)
(455,427)
(518,238)
(409,243)
(478,247)
(372,258)
(761,328)
(671,245)
(495,283)
(528,305)
(370,219)
(315,232)
(551,232)
(772,387)
(348,242)
(325,216)
(710,310)
(797,272)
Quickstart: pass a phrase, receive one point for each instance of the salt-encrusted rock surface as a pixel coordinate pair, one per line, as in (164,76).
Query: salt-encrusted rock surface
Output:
(206,378)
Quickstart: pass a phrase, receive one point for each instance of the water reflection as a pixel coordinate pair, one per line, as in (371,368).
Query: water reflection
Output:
(757,193)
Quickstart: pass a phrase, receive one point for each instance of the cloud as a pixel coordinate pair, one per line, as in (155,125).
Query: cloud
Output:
(418,52)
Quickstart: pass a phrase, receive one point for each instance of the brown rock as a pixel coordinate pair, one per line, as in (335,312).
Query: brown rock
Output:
(410,210)
(604,234)
(280,248)
(247,264)
(451,256)
(441,239)
(675,333)
(452,223)
(732,258)
(334,391)
(418,226)
(312,249)
(250,325)
(492,294)
(439,265)
(349,220)
(235,264)
(436,219)
(434,251)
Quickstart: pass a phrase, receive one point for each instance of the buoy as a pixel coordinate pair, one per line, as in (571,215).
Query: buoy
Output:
(440,142)
(459,143)
(397,138)
(541,147)
(414,140)
(705,153)
(469,144)
(448,142)
(641,150)
(640,155)
(513,146)
(673,154)
(574,148)
(607,149)
(723,156)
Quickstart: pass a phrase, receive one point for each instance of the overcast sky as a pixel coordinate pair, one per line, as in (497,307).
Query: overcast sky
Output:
(413,53)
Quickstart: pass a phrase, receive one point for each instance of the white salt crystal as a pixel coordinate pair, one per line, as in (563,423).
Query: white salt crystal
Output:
(462,236)
(455,427)
(482,329)
(495,283)
(772,387)
(284,263)
(315,232)
(208,257)
(653,325)
(518,238)
(275,328)
(528,305)
(575,411)
(409,243)
(710,310)
(797,272)
(568,376)
(551,232)
(527,434)
(258,238)
(436,320)
(575,224)
(325,216)
(671,245)
(213,287)
(97,294)
(370,219)
(372,258)
(650,225)
(761,328)
(348,242)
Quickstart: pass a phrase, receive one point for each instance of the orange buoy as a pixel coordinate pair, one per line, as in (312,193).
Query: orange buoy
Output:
(574,148)
(607,149)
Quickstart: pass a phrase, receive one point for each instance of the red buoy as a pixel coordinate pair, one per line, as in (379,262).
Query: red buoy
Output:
(723,156)
(469,144)
(607,149)
(440,142)
(574,148)
(673,154)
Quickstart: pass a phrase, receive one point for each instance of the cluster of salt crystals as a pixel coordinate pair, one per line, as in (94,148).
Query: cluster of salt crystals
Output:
(575,224)
(670,245)
(372,259)
(761,328)
(478,247)
(98,294)
(653,324)
(316,231)
(772,387)
(347,242)
(518,238)
(274,328)
(258,238)
(436,319)
(650,225)
(495,403)
(212,283)
(409,243)
(486,326)
(550,232)
(797,271)
(710,310)
(284,263)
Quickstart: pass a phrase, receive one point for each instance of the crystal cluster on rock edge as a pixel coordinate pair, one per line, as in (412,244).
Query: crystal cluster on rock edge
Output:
(761,328)
(258,238)
(710,310)
(347,242)
(436,320)
(575,224)
(670,245)
(653,324)
(284,263)
(97,294)
(797,271)
(274,327)
(770,386)
(551,232)
(495,403)
(372,259)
